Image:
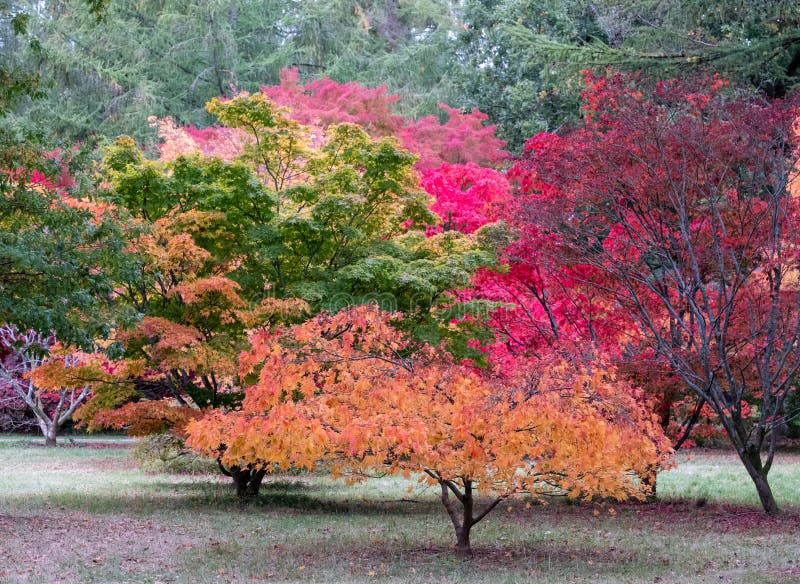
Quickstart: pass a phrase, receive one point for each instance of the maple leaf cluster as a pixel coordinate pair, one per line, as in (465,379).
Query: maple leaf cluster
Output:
(352,390)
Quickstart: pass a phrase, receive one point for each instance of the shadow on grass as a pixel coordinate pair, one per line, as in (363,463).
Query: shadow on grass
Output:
(295,495)
(395,546)
(291,495)
(626,554)
(320,499)
(272,485)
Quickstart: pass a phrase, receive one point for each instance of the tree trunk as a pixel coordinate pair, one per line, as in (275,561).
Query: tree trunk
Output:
(765,495)
(247,481)
(50,433)
(751,458)
(462,516)
(463,547)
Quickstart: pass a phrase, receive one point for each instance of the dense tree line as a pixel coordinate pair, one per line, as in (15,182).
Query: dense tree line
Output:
(518,61)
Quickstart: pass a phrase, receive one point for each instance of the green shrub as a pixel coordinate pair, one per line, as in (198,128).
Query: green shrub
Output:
(167,453)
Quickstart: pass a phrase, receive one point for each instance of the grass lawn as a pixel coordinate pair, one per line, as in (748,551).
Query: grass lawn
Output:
(86,513)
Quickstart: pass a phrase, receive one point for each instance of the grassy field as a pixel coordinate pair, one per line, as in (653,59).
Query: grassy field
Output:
(85,513)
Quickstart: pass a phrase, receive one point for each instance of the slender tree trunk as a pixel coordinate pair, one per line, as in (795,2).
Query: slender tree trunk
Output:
(765,495)
(750,455)
(463,547)
(461,510)
(751,458)
(461,518)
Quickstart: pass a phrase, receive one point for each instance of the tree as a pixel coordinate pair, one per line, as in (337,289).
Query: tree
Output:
(23,353)
(58,248)
(65,377)
(17,78)
(409,44)
(193,279)
(60,251)
(352,393)
(348,210)
(754,43)
(178,55)
(285,225)
(683,195)
(522,88)
(462,138)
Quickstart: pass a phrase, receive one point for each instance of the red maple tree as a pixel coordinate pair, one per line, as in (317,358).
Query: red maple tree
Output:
(679,195)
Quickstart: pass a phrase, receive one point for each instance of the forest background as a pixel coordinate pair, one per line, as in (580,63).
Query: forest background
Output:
(98,69)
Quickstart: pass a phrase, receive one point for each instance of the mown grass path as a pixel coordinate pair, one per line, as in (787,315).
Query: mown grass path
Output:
(86,513)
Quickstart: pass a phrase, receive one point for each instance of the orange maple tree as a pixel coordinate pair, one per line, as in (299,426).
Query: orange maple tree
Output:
(351,394)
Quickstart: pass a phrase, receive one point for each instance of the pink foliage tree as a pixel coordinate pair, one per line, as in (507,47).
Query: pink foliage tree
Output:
(678,201)
(463,138)
(325,102)
(467,196)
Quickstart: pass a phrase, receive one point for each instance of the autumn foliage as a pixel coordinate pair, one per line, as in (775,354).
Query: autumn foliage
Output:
(466,196)
(630,276)
(462,138)
(23,354)
(350,393)
(147,417)
(265,232)
(676,201)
